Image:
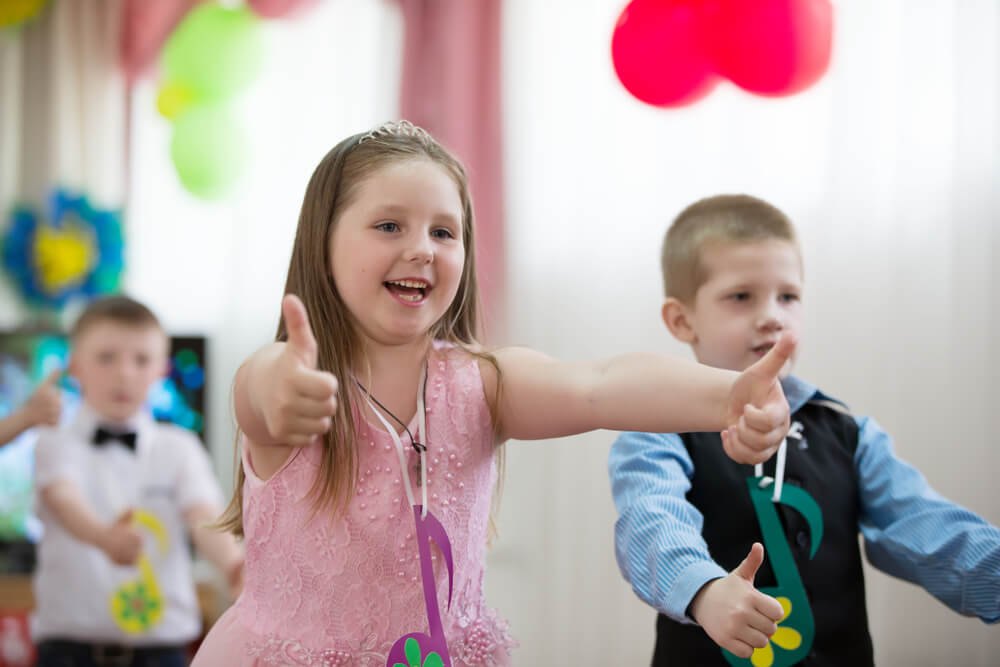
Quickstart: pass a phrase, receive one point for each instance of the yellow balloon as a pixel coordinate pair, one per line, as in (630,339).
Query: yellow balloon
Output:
(13,12)
(173,99)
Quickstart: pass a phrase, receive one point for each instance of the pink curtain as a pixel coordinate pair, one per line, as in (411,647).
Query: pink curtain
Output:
(451,87)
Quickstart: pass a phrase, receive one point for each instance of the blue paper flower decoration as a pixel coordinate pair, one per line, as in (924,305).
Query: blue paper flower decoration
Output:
(76,253)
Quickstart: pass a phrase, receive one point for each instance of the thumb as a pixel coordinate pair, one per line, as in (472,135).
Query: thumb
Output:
(53,377)
(125,518)
(748,568)
(769,367)
(300,335)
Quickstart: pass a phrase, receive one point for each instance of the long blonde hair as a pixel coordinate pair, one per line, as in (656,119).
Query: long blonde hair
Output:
(332,187)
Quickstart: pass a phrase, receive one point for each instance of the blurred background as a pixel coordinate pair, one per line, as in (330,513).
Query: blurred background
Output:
(184,147)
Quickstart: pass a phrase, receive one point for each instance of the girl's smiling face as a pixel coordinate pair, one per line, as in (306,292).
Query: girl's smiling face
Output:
(396,251)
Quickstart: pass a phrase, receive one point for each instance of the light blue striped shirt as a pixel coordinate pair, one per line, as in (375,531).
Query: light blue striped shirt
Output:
(910,530)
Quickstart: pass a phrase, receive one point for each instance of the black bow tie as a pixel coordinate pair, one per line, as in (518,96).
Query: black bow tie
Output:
(102,436)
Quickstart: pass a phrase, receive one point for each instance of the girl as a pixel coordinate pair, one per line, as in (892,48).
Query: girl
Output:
(370,427)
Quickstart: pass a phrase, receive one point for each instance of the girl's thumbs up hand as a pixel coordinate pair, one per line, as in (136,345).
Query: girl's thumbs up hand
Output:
(758,415)
(297,400)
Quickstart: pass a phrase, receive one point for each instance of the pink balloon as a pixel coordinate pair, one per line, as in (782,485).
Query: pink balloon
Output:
(769,47)
(273,9)
(144,27)
(656,52)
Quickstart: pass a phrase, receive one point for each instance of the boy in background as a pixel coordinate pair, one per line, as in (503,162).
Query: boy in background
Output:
(691,520)
(119,494)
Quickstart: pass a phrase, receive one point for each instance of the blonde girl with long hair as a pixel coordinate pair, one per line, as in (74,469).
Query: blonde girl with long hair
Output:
(370,429)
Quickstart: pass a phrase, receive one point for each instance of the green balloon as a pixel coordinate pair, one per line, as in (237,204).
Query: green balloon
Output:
(208,149)
(214,52)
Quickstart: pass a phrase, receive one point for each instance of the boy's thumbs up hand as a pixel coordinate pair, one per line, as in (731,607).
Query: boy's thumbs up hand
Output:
(758,415)
(737,617)
(45,404)
(298,401)
(121,541)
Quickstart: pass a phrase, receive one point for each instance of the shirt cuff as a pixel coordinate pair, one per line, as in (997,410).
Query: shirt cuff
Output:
(686,586)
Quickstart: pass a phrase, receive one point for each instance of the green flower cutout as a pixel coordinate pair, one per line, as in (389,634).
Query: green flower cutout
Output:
(412,650)
(786,638)
(136,606)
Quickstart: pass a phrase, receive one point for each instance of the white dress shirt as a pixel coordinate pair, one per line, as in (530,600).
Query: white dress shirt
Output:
(168,473)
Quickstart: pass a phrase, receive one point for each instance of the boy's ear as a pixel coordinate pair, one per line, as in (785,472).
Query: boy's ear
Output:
(677,317)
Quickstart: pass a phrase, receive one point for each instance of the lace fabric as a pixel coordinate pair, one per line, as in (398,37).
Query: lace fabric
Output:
(322,592)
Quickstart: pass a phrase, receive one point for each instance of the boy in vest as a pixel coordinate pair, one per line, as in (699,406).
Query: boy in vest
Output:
(120,495)
(692,522)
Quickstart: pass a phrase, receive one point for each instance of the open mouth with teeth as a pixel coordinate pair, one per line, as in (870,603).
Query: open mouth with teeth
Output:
(762,349)
(408,291)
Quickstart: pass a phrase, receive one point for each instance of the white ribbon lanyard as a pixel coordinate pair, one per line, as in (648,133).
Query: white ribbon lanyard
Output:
(779,469)
(421,434)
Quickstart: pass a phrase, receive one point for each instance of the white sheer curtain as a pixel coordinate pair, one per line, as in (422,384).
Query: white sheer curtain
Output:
(889,167)
(62,111)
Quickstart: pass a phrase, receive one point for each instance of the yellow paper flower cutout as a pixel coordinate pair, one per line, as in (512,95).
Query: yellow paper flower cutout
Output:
(64,257)
(786,638)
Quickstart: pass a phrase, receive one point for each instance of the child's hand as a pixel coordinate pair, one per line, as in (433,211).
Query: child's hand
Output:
(758,412)
(298,401)
(121,541)
(45,404)
(738,617)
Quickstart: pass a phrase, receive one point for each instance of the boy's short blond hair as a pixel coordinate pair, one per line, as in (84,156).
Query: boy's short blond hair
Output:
(118,309)
(718,219)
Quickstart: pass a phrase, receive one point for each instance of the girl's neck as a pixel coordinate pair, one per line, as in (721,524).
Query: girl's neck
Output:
(384,367)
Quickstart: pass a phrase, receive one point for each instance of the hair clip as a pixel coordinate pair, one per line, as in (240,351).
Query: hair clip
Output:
(397,128)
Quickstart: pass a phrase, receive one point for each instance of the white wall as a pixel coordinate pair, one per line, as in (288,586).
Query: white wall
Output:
(889,168)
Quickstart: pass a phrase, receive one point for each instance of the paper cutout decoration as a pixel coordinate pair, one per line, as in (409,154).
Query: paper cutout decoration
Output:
(417,646)
(797,628)
(137,606)
(75,252)
(15,12)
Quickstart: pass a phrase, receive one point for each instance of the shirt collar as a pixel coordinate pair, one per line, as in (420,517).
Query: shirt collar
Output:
(87,420)
(797,392)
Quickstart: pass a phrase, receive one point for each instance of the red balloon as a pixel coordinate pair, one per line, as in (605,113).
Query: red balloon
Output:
(273,9)
(657,55)
(769,47)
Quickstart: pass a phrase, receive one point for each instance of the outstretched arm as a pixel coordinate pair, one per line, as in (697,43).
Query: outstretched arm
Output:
(544,398)
(914,533)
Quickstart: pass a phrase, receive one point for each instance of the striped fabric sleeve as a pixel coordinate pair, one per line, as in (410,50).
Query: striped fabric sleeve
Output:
(914,533)
(658,540)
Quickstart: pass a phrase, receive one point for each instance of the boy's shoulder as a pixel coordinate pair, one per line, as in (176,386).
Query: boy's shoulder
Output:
(179,441)
(800,393)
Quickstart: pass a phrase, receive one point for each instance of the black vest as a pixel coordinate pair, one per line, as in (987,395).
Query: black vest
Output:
(823,465)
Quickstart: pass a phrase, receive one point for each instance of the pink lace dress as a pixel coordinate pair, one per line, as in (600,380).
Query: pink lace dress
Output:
(339,593)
